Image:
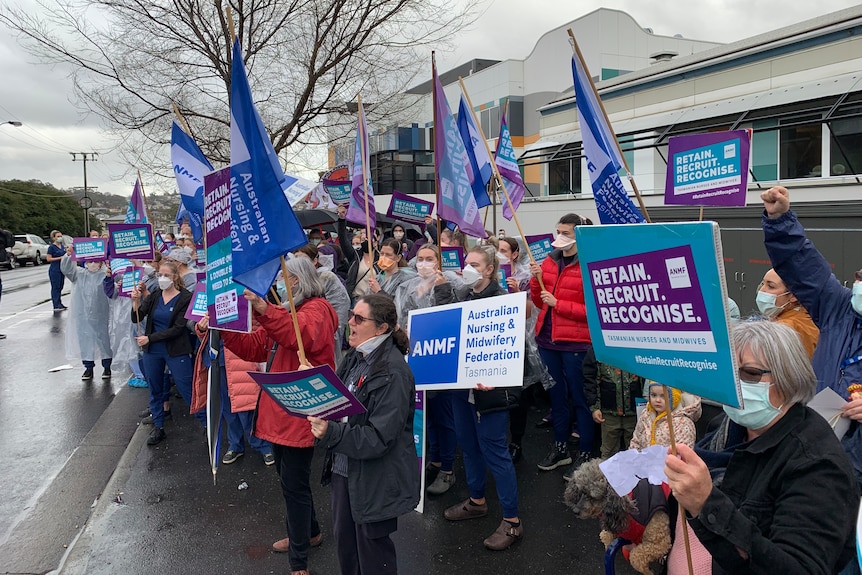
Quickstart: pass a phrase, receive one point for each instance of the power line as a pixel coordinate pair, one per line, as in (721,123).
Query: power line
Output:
(2,189)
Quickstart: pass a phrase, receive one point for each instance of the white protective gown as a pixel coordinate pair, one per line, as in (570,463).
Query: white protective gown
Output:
(88,337)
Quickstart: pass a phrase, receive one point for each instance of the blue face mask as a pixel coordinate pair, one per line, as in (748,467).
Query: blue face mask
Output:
(281,289)
(757,411)
(766,304)
(856,298)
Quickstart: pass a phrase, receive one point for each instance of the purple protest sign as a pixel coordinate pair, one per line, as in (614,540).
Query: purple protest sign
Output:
(317,392)
(708,169)
(198,307)
(419,440)
(409,209)
(89,249)
(453,259)
(133,241)
(131,278)
(648,297)
(119,266)
(540,246)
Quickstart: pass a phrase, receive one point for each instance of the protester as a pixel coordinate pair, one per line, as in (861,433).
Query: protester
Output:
(7,240)
(652,426)
(431,287)
(165,342)
(563,339)
(333,290)
(361,265)
(120,308)
(183,258)
(399,233)
(611,393)
(481,422)
(835,309)
(371,458)
(291,438)
(393,269)
(95,234)
(90,318)
(770,491)
(56,251)
(776,302)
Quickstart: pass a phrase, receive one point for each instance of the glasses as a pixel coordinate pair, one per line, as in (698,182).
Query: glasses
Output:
(752,374)
(358,319)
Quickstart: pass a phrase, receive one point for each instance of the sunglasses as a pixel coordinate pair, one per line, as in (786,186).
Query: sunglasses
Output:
(752,374)
(358,318)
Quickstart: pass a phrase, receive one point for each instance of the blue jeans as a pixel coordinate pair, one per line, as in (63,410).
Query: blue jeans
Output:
(484,446)
(57,281)
(441,429)
(239,424)
(155,359)
(565,368)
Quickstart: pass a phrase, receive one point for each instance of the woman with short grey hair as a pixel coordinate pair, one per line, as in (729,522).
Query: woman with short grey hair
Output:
(771,490)
(307,284)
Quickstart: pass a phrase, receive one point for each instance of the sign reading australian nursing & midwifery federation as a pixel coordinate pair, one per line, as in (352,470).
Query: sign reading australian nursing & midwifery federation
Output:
(657,304)
(227,307)
(458,346)
(708,169)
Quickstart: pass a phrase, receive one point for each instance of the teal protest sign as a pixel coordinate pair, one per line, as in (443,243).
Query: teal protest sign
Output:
(656,304)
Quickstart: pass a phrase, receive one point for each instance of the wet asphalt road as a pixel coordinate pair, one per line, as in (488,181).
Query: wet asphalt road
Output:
(85,495)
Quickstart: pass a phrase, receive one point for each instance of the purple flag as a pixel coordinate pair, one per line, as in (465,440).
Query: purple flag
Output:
(136,213)
(457,204)
(507,164)
(360,194)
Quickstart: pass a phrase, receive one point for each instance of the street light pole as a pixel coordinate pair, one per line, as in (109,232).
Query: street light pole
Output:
(85,202)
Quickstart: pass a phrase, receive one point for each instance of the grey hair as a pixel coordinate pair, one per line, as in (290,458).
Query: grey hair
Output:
(309,281)
(780,349)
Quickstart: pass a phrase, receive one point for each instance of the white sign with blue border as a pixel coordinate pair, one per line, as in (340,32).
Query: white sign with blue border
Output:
(458,346)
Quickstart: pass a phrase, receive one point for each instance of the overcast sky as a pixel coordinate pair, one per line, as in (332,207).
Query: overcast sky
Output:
(39,96)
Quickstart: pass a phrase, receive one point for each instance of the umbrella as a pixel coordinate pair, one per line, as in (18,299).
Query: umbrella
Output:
(317,218)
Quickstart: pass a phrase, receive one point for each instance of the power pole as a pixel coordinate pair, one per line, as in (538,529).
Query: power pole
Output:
(85,202)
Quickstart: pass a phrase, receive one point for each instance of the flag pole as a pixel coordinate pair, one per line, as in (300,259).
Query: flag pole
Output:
(497,175)
(668,414)
(301,348)
(436,157)
(631,178)
(362,125)
(144,195)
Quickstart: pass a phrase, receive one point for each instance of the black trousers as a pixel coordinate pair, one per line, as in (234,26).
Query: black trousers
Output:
(363,549)
(294,468)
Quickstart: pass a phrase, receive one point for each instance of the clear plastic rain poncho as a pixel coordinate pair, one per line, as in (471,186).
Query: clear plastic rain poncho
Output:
(121,329)
(88,336)
(418,293)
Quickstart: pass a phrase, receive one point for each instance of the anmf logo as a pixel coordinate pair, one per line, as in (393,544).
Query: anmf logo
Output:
(677,273)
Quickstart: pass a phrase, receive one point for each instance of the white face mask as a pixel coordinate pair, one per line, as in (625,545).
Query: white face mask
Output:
(426,269)
(766,304)
(502,258)
(856,298)
(563,242)
(397,235)
(165,283)
(148,269)
(471,275)
(94,266)
(757,411)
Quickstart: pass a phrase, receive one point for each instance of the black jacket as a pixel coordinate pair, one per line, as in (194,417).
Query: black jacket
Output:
(350,255)
(500,398)
(788,499)
(176,337)
(611,390)
(382,469)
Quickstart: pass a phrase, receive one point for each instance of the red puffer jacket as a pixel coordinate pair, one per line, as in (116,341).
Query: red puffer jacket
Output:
(317,323)
(241,388)
(569,322)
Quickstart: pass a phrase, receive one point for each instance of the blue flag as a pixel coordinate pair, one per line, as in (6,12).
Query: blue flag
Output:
(190,166)
(195,222)
(263,225)
(480,164)
(456,202)
(602,154)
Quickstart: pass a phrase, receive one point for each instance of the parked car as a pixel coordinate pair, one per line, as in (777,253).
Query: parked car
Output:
(30,248)
(11,262)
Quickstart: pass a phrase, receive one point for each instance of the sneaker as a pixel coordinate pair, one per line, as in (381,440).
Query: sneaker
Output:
(558,456)
(231,456)
(545,423)
(106,373)
(283,545)
(268,459)
(505,536)
(582,458)
(515,452)
(441,484)
(431,473)
(156,436)
(144,413)
(148,420)
(87,375)
(466,510)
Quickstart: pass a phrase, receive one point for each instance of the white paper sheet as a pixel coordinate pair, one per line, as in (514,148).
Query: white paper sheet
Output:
(626,468)
(829,405)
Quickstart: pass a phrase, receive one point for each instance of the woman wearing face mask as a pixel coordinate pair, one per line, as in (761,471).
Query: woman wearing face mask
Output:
(165,342)
(291,438)
(56,251)
(393,269)
(90,317)
(360,266)
(481,423)
(371,457)
(183,258)
(776,302)
(398,233)
(771,490)
(563,339)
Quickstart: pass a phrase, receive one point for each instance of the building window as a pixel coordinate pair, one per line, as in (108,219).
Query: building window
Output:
(845,147)
(800,153)
(564,171)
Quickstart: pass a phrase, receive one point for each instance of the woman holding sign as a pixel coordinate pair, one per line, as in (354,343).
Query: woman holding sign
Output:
(563,338)
(291,438)
(481,423)
(371,458)
(393,269)
(91,317)
(771,490)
